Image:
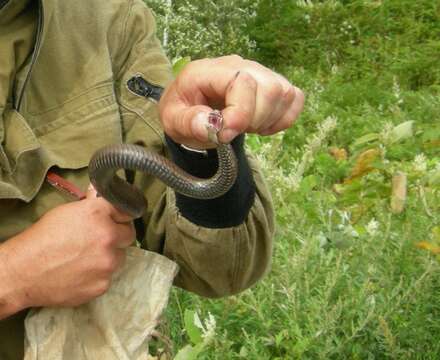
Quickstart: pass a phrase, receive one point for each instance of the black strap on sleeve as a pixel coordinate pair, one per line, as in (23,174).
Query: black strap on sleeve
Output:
(229,210)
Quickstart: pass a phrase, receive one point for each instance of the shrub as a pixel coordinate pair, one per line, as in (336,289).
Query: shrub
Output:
(205,28)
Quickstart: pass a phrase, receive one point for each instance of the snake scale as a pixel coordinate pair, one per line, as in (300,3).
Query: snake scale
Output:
(126,197)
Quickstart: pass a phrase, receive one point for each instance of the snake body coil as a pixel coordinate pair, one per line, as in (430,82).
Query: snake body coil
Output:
(127,198)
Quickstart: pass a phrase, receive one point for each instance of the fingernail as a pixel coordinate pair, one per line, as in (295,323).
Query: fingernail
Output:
(229,134)
(199,126)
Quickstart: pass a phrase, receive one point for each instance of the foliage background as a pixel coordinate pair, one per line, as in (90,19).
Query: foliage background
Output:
(353,276)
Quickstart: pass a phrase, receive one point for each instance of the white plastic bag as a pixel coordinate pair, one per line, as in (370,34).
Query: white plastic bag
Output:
(115,326)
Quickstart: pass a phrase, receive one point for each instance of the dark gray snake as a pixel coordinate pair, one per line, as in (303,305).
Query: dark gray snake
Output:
(127,198)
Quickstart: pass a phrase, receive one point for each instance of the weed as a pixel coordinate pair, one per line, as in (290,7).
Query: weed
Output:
(352,278)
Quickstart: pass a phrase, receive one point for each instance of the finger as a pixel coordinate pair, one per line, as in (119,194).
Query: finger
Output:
(240,105)
(287,98)
(268,104)
(202,86)
(184,122)
(125,235)
(118,216)
(271,103)
(111,262)
(105,207)
(290,106)
(290,116)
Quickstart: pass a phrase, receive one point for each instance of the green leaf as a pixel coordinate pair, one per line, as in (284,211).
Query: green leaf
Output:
(308,184)
(366,139)
(431,133)
(189,352)
(244,353)
(434,178)
(280,337)
(194,332)
(402,131)
(180,64)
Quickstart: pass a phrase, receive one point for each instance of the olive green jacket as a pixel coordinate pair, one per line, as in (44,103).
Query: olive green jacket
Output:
(64,66)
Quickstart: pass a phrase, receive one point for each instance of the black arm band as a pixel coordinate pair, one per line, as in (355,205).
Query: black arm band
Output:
(229,210)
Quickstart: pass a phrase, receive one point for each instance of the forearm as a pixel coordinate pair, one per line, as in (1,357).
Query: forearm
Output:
(219,260)
(12,299)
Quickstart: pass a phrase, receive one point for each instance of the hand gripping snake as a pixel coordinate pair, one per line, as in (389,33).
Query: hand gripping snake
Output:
(127,198)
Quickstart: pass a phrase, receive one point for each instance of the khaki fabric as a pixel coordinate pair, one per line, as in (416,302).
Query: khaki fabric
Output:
(18,25)
(115,326)
(68,99)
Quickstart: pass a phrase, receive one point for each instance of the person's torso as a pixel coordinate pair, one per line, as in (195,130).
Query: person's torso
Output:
(62,107)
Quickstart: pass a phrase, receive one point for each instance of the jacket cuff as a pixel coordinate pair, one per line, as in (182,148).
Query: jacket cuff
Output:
(228,210)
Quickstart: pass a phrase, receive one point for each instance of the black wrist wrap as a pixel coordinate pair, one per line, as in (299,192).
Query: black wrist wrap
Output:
(229,210)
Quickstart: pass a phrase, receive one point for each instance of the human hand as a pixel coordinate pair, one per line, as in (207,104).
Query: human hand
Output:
(68,257)
(253,99)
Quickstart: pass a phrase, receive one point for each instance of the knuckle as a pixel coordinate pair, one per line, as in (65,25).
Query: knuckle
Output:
(109,264)
(243,118)
(92,209)
(248,79)
(274,92)
(253,64)
(289,94)
(184,75)
(102,287)
(106,237)
(286,122)
(190,68)
(233,57)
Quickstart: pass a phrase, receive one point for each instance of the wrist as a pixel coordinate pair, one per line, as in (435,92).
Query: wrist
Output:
(12,294)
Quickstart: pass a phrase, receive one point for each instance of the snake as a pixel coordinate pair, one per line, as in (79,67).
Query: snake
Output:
(107,161)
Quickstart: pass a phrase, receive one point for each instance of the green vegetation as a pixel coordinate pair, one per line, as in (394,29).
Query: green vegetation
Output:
(354,275)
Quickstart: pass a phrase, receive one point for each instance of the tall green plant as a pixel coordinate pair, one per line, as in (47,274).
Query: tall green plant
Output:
(205,28)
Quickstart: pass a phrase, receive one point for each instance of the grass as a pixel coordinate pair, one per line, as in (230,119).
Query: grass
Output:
(352,277)
(347,281)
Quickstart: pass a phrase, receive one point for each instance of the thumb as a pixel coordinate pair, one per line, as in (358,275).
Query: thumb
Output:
(190,123)
(187,124)
(116,215)
(198,122)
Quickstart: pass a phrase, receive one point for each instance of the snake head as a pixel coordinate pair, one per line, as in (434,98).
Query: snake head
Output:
(215,124)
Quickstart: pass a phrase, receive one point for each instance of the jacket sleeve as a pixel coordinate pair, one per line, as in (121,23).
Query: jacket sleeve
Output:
(218,255)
